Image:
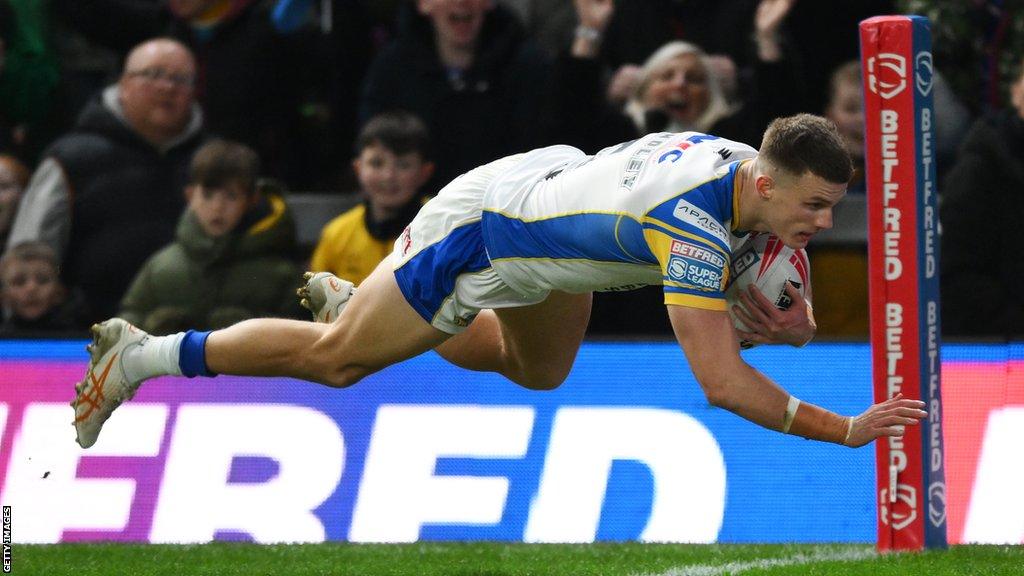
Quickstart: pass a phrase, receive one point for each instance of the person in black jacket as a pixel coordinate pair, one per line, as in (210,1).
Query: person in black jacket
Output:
(245,73)
(107,194)
(981,204)
(467,69)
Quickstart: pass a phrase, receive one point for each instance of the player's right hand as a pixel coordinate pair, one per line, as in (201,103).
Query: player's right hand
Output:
(887,418)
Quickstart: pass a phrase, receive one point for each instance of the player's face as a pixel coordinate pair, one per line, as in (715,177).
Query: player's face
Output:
(219,210)
(457,22)
(800,207)
(680,88)
(847,110)
(390,180)
(31,288)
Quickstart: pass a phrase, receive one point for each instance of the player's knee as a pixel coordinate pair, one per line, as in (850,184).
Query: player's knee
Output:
(542,379)
(344,375)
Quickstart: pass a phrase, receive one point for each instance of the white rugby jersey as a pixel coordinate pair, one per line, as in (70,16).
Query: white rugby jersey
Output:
(661,209)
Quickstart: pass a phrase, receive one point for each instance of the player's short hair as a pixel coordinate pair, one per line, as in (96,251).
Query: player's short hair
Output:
(219,163)
(31,251)
(805,142)
(399,131)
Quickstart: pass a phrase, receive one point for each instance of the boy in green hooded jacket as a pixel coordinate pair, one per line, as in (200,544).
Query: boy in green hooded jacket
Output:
(230,260)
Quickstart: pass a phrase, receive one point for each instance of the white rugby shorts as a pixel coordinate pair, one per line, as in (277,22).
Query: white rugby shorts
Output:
(440,260)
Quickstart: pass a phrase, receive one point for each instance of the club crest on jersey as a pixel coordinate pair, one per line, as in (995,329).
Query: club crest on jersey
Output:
(688,250)
(694,273)
(700,219)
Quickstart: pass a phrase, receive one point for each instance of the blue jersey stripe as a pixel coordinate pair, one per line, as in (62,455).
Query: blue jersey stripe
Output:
(429,277)
(598,237)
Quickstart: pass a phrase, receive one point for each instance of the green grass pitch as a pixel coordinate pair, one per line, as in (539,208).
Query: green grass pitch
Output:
(499,559)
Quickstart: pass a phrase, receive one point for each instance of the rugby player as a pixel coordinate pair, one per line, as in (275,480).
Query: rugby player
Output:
(496,274)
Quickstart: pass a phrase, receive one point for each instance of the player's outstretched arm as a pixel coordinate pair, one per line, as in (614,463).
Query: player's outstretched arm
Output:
(708,340)
(886,418)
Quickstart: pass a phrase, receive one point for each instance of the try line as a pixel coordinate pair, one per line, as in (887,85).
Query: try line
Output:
(824,555)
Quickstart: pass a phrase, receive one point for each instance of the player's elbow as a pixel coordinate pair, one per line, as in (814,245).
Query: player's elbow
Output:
(716,389)
(718,395)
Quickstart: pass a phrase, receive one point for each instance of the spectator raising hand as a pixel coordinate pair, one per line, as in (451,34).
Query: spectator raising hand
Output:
(768,18)
(594,16)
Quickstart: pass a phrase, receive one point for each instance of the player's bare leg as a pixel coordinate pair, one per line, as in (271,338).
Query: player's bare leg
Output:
(534,346)
(376,329)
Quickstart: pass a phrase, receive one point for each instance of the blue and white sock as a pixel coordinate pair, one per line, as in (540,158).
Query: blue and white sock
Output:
(154,356)
(192,355)
(181,354)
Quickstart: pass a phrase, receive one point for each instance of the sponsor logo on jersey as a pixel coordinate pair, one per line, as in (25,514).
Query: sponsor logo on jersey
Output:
(636,162)
(694,273)
(696,217)
(697,252)
(677,150)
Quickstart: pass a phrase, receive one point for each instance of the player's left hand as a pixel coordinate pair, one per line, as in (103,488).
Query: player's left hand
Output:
(794,326)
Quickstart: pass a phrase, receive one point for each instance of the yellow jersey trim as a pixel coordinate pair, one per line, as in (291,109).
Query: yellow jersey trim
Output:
(691,301)
(683,233)
(736,198)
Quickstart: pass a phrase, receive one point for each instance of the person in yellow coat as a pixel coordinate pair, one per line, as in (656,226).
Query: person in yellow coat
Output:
(392,165)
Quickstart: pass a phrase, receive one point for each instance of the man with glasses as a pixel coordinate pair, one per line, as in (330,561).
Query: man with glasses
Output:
(107,195)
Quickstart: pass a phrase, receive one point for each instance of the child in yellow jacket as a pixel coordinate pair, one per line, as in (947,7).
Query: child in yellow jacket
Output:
(392,165)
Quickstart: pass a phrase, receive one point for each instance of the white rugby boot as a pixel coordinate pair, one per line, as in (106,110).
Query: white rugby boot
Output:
(105,386)
(325,295)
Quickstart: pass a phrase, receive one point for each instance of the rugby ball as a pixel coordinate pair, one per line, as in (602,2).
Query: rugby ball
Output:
(767,263)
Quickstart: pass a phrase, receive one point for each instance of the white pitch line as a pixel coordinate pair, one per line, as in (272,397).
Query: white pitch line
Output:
(796,560)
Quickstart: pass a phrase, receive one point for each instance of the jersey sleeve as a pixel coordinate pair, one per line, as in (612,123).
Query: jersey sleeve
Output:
(691,245)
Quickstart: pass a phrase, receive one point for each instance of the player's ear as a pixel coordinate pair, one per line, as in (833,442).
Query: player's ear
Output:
(765,186)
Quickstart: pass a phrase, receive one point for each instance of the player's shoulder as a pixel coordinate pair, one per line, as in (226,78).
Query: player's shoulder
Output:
(691,162)
(700,148)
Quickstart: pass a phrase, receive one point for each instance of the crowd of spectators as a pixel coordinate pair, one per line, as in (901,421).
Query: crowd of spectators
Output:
(148,148)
